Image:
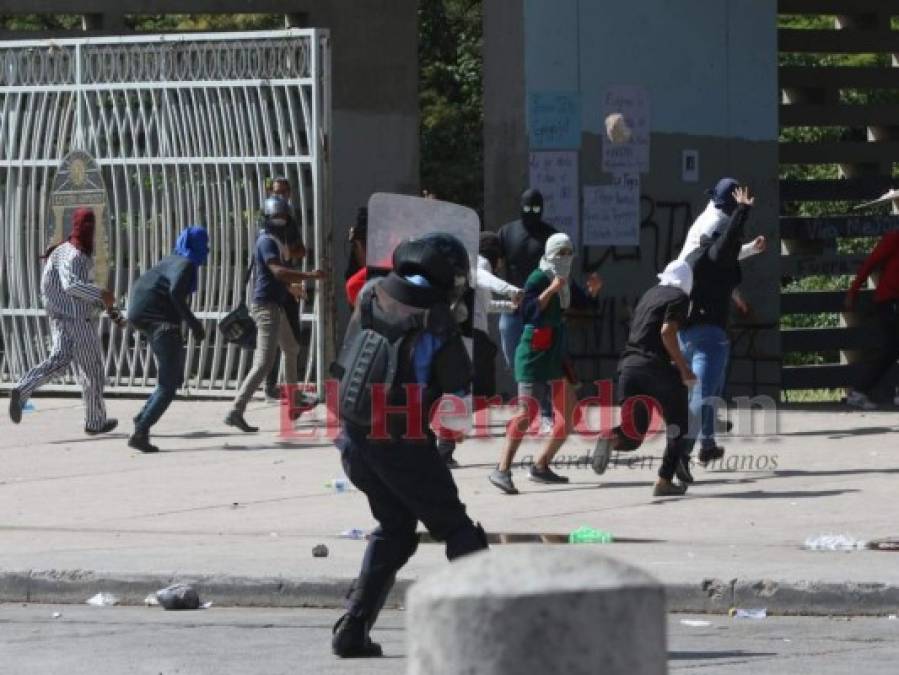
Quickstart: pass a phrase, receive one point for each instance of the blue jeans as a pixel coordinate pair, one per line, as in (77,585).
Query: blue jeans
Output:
(707,349)
(510,329)
(168,350)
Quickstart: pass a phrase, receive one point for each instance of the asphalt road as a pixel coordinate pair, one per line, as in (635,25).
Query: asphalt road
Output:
(122,640)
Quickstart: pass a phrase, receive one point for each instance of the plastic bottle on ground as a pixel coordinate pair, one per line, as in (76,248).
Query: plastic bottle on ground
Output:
(339,485)
(589,535)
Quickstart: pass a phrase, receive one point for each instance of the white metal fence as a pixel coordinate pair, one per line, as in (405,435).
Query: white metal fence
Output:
(185,130)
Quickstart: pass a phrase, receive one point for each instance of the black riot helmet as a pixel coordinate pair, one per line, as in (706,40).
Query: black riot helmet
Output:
(531,208)
(275,214)
(438,257)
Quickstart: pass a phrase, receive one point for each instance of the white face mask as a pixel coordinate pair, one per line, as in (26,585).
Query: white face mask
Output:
(561,265)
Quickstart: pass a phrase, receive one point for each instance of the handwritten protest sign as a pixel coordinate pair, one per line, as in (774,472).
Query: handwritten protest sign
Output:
(556,175)
(554,121)
(612,213)
(629,151)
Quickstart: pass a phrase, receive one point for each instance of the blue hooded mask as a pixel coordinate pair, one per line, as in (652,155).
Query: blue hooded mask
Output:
(193,244)
(723,195)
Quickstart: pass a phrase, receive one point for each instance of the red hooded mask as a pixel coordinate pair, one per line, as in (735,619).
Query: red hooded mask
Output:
(82,236)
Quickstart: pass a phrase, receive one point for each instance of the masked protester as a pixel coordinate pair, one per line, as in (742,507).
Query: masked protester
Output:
(703,338)
(271,293)
(159,304)
(717,214)
(540,369)
(652,367)
(522,243)
(73,304)
(294,241)
(414,314)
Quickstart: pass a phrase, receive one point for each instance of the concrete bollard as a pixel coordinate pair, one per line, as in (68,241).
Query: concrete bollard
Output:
(546,610)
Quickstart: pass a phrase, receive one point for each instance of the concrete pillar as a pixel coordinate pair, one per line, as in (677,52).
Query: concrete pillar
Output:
(551,610)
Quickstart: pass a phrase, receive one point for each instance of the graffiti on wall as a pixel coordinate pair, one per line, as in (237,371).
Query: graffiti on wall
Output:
(668,223)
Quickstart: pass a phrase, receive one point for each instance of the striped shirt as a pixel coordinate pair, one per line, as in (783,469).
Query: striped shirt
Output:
(66,288)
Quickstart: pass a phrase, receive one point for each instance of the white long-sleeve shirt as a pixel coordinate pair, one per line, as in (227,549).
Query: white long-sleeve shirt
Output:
(708,224)
(486,285)
(66,288)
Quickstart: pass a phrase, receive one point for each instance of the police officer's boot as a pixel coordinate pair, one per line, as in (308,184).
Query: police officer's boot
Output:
(350,638)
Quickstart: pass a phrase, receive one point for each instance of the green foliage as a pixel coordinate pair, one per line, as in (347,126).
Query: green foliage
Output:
(450,97)
(164,23)
(41,22)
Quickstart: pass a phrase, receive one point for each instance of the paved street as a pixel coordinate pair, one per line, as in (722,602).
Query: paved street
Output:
(253,505)
(149,641)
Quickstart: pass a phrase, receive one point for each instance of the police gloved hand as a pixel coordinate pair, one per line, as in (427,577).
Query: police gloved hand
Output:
(198,332)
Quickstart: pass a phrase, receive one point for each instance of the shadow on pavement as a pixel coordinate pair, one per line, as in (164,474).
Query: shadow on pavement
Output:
(793,494)
(730,654)
(843,433)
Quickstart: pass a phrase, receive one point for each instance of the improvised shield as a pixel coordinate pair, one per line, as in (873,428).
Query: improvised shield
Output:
(392,218)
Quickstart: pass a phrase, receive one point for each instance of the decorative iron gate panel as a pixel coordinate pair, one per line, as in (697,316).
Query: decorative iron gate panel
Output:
(185,130)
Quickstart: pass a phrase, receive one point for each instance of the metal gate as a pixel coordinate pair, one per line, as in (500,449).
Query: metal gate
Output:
(185,129)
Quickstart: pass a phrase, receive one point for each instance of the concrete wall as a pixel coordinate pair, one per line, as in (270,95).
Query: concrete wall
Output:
(710,67)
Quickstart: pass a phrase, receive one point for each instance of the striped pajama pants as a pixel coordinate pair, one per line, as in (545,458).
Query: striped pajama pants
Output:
(74,341)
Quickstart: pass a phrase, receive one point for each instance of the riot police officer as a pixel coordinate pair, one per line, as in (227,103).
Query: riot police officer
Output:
(415,314)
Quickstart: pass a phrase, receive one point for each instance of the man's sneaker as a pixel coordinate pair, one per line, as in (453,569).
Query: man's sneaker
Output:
(859,400)
(710,454)
(15,406)
(141,442)
(503,480)
(235,419)
(272,394)
(682,470)
(351,641)
(545,475)
(601,454)
(667,488)
(110,424)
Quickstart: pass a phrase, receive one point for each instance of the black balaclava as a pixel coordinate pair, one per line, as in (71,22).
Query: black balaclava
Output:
(531,200)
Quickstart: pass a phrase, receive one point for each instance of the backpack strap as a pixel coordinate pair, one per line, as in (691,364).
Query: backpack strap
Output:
(366,312)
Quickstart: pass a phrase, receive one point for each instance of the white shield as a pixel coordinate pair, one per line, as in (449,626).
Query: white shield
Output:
(392,218)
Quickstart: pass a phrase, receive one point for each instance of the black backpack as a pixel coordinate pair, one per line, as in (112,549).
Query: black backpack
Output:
(368,358)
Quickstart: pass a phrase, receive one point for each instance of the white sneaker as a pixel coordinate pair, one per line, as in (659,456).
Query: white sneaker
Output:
(859,400)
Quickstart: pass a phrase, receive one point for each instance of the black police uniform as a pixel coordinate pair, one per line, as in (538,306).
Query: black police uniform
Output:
(403,477)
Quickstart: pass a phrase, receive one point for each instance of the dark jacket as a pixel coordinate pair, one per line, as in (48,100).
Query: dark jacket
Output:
(716,273)
(161,295)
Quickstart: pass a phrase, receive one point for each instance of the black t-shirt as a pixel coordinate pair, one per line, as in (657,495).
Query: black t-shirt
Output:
(658,306)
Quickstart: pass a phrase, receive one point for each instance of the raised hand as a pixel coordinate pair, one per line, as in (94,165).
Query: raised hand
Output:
(741,196)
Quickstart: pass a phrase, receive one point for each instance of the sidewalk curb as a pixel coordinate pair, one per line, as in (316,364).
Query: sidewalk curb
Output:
(710,596)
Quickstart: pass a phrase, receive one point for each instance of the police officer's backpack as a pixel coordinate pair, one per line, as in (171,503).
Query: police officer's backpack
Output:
(370,358)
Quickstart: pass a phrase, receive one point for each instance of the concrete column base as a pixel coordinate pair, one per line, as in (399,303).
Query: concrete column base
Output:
(537,609)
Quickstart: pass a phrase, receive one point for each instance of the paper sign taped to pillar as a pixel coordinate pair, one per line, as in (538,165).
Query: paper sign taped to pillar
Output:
(556,175)
(554,120)
(625,145)
(612,213)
